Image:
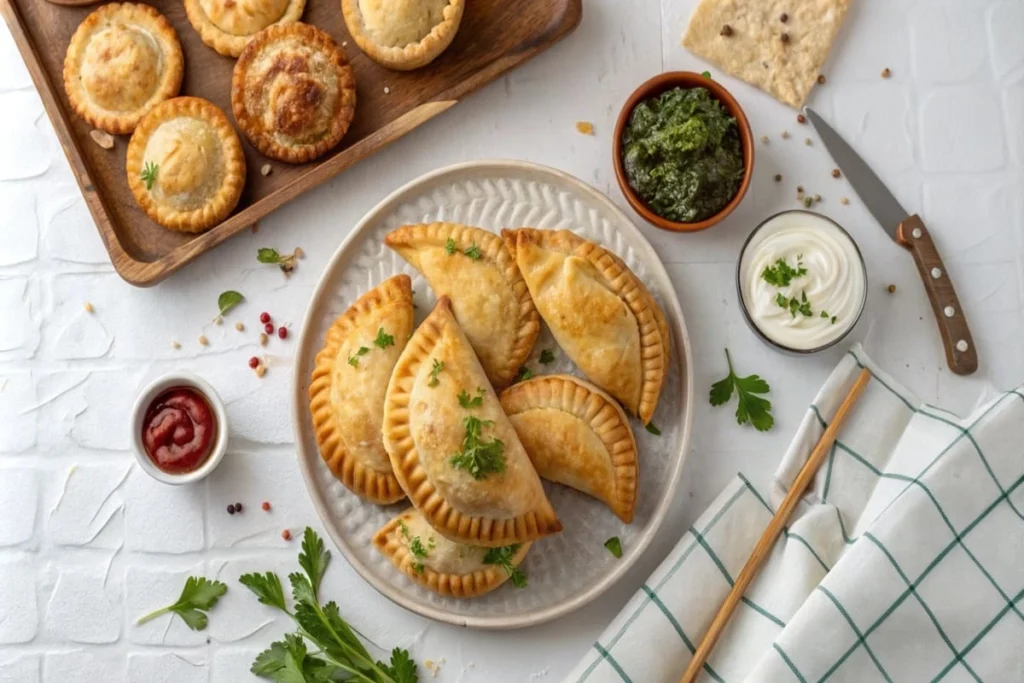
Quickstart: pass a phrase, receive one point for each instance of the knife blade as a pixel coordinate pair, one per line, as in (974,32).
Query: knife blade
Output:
(908,231)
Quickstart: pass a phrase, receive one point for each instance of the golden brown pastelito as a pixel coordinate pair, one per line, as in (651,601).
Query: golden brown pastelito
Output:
(293,92)
(403,34)
(439,564)
(453,449)
(599,312)
(122,60)
(228,25)
(185,164)
(576,435)
(350,378)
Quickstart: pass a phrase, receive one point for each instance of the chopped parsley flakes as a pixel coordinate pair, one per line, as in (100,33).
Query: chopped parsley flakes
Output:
(383,339)
(353,358)
(479,457)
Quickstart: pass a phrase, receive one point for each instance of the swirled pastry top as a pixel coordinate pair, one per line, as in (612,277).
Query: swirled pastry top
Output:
(228,25)
(123,59)
(403,34)
(185,164)
(293,92)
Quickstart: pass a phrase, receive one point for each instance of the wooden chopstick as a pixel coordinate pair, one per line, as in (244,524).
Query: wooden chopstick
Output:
(773,531)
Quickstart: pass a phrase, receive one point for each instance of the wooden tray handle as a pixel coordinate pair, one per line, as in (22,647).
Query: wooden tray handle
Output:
(961,355)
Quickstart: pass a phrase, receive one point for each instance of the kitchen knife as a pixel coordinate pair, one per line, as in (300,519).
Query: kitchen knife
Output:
(909,232)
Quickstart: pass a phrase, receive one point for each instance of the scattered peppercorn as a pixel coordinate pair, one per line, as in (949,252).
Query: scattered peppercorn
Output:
(238,507)
(844,200)
(764,139)
(263,339)
(821,79)
(203,341)
(799,189)
(785,37)
(892,289)
(264,317)
(800,118)
(266,506)
(836,173)
(269,328)
(785,135)
(282,332)
(886,73)
(254,362)
(726,31)
(778,177)
(231,509)
(807,141)
(783,17)
(261,370)
(175,345)
(286,535)
(240,326)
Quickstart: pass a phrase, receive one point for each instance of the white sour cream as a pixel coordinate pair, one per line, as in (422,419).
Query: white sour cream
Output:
(834,283)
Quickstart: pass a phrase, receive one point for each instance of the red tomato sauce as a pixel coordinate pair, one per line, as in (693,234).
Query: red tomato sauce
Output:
(178,430)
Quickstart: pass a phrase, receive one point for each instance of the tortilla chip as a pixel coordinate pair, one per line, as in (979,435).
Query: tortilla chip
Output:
(755,51)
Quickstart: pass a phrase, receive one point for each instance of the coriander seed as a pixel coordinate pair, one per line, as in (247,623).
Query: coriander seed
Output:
(886,73)
(88,307)
(785,135)
(836,173)
(844,201)
(821,79)
(783,17)
(764,139)
(891,289)
(240,326)
(807,141)
(203,341)
(778,177)
(799,189)
(800,118)
(726,31)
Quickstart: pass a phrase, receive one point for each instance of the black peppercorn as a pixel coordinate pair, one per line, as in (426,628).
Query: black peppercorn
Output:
(785,37)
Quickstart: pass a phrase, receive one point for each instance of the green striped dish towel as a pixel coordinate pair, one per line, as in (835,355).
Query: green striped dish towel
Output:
(905,562)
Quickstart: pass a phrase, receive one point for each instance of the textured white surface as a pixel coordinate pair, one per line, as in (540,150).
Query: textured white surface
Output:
(68,378)
(567,569)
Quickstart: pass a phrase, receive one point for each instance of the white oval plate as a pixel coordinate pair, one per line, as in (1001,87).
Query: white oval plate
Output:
(569,569)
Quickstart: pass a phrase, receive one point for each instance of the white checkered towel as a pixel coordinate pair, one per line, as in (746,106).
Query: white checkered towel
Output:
(905,563)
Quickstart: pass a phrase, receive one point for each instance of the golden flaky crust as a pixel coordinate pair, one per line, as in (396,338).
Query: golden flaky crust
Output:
(293,92)
(557,417)
(228,25)
(381,29)
(346,399)
(424,424)
(489,296)
(616,277)
(472,579)
(199,164)
(122,60)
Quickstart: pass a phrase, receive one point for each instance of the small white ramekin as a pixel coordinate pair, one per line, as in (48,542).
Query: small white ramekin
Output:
(157,387)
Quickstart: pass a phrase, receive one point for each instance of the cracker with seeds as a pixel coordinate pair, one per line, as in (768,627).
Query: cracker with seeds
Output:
(776,45)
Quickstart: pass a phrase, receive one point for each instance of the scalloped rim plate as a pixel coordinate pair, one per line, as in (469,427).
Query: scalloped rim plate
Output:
(556,592)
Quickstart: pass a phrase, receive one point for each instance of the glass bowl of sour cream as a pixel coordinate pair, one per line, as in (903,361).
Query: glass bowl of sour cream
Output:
(801,281)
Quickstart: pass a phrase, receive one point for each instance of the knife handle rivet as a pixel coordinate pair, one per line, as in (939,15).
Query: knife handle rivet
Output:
(916,232)
(936,273)
(962,346)
(949,311)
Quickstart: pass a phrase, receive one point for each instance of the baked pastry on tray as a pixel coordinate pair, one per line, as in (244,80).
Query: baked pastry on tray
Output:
(600,313)
(293,92)
(451,446)
(444,566)
(346,394)
(123,59)
(490,299)
(228,25)
(402,34)
(185,164)
(576,435)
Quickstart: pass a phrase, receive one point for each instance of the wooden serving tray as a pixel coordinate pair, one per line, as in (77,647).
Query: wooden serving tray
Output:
(495,36)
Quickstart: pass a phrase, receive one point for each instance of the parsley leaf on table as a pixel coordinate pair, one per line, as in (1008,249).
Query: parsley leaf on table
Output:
(546,356)
(614,546)
(199,595)
(503,558)
(268,255)
(228,300)
(750,407)
(652,428)
(525,373)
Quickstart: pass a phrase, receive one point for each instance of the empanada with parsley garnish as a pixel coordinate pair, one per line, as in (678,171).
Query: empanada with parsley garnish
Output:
(350,378)
(444,566)
(491,302)
(453,450)
(599,312)
(576,435)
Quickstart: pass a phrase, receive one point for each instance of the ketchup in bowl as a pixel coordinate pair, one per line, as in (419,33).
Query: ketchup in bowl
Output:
(179,430)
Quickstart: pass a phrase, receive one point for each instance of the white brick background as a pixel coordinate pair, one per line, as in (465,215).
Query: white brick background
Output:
(88,542)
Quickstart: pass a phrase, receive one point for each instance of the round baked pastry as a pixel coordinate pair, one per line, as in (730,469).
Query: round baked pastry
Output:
(403,34)
(123,59)
(293,92)
(228,25)
(185,164)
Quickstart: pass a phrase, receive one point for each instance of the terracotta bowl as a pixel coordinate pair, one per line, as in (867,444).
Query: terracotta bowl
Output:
(654,87)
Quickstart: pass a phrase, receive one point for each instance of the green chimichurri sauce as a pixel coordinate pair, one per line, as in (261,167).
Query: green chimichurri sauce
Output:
(682,154)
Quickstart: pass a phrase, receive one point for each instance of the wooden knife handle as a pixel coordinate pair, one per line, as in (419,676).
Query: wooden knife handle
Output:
(961,355)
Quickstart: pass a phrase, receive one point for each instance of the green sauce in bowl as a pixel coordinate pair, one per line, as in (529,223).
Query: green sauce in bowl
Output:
(682,154)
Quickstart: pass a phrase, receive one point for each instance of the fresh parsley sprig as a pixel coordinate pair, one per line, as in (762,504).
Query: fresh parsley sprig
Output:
(479,457)
(781,273)
(272,256)
(473,252)
(148,174)
(449,246)
(383,340)
(750,407)
(435,369)
(795,305)
(525,373)
(614,546)
(197,597)
(340,654)
(353,358)
(503,558)
(475,402)
(547,356)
